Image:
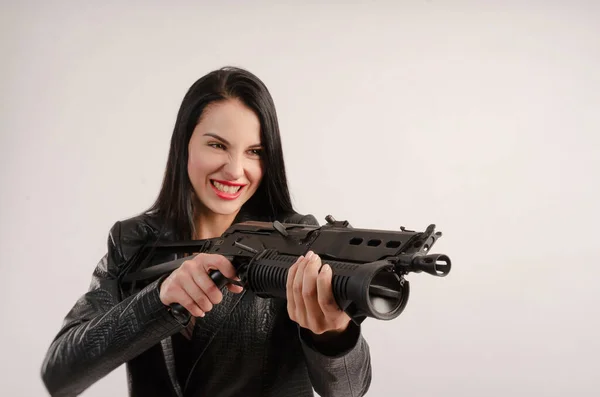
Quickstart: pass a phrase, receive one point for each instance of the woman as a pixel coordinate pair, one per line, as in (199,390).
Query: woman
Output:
(225,165)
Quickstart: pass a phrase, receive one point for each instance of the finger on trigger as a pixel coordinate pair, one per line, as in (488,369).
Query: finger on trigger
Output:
(222,264)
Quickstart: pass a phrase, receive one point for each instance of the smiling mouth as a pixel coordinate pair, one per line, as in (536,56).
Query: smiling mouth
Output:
(225,188)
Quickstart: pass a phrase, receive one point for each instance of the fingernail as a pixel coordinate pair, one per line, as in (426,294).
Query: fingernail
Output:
(326,268)
(309,255)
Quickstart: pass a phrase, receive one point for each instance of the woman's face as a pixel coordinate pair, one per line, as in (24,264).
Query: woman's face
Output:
(224,163)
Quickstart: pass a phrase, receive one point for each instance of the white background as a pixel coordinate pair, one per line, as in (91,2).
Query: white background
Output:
(479,116)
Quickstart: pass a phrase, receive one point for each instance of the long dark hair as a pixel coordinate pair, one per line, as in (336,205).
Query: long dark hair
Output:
(174,203)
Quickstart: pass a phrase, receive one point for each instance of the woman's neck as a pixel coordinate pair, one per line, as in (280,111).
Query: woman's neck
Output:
(210,225)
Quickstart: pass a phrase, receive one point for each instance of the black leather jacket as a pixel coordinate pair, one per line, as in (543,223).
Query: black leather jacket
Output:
(249,346)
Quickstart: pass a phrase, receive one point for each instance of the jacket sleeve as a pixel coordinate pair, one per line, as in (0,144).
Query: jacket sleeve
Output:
(103,331)
(340,370)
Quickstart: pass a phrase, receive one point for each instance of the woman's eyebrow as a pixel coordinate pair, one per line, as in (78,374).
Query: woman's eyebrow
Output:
(217,137)
(225,140)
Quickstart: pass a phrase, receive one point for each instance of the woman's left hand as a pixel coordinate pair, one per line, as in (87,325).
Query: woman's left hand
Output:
(310,300)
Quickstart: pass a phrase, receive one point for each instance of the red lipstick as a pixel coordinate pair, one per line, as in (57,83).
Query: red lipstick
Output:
(225,195)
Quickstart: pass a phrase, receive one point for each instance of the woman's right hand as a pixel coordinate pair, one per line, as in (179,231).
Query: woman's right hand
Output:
(191,286)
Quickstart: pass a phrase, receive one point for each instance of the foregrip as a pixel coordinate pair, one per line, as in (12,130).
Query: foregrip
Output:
(369,289)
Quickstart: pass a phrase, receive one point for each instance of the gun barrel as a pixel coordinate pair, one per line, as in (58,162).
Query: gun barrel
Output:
(435,264)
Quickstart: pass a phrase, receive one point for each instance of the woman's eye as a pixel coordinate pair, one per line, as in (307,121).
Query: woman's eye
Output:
(256,152)
(217,145)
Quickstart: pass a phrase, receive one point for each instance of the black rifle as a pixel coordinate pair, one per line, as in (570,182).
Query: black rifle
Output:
(368,265)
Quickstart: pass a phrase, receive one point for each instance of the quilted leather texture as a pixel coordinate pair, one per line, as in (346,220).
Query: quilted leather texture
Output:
(245,346)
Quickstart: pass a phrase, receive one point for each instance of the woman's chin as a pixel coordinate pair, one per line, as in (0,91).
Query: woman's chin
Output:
(225,208)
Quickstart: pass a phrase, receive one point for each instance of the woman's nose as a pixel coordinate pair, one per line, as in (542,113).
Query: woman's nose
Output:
(234,168)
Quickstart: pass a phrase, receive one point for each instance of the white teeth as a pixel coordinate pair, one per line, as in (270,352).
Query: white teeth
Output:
(226,189)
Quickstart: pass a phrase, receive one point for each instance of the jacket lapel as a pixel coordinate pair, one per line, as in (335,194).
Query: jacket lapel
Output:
(167,349)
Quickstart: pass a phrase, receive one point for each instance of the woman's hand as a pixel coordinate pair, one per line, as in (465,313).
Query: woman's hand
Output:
(310,300)
(191,286)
